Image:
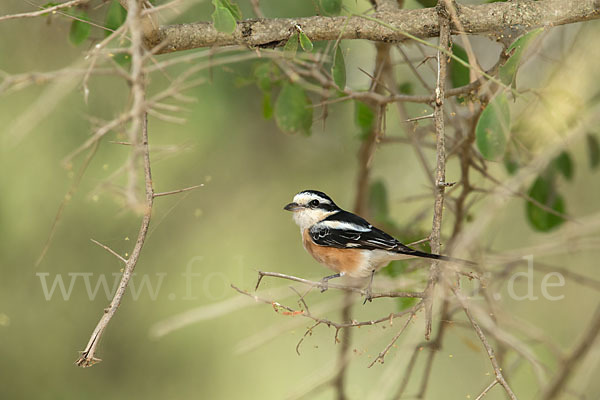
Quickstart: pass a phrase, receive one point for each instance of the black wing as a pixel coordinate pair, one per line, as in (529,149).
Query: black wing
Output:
(356,234)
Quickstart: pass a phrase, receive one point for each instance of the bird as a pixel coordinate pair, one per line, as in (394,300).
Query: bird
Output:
(345,242)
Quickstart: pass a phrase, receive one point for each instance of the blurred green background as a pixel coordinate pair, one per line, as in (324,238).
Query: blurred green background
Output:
(225,232)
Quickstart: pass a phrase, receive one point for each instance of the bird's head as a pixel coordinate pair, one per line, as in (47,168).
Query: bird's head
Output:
(310,207)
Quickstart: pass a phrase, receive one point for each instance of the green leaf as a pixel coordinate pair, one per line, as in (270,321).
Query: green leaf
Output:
(49,5)
(544,192)
(115,17)
(493,128)
(80,30)
(406,88)
(378,201)
(459,74)
(593,150)
(293,110)
(508,72)
(291,46)
(511,165)
(123,59)
(331,7)
(395,268)
(364,117)
(222,18)
(267,106)
(338,69)
(262,73)
(564,165)
(234,9)
(405,302)
(305,42)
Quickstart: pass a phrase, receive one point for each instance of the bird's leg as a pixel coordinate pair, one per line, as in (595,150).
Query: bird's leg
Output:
(327,278)
(368,289)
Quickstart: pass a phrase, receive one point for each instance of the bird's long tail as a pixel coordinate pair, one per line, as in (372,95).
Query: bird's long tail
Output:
(422,254)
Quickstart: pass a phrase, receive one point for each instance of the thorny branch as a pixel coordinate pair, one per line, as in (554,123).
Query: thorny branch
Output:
(440,174)
(289,311)
(448,18)
(139,142)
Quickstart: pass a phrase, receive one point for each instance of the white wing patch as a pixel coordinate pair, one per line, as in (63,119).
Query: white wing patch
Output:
(346,226)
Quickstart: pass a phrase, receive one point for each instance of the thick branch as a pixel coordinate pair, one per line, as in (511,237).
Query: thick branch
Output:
(479,19)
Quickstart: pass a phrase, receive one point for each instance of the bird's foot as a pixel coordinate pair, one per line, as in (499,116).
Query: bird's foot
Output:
(367,296)
(368,289)
(324,285)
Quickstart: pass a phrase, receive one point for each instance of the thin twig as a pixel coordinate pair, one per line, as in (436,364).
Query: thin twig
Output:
(486,345)
(44,11)
(111,251)
(487,389)
(178,191)
(382,354)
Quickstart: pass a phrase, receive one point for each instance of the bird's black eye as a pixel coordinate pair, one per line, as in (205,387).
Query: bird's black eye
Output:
(314,203)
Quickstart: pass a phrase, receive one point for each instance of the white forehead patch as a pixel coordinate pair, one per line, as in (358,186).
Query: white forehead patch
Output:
(306,197)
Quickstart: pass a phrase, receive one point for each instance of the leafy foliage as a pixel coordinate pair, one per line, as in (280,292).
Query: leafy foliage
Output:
(364,117)
(80,29)
(305,42)
(564,165)
(593,150)
(338,68)
(225,15)
(115,17)
(508,72)
(291,46)
(331,7)
(544,191)
(459,74)
(493,128)
(293,110)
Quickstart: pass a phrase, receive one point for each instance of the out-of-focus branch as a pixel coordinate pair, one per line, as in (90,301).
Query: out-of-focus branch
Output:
(567,367)
(44,11)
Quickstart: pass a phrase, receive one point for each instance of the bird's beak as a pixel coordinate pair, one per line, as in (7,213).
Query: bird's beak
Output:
(292,207)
